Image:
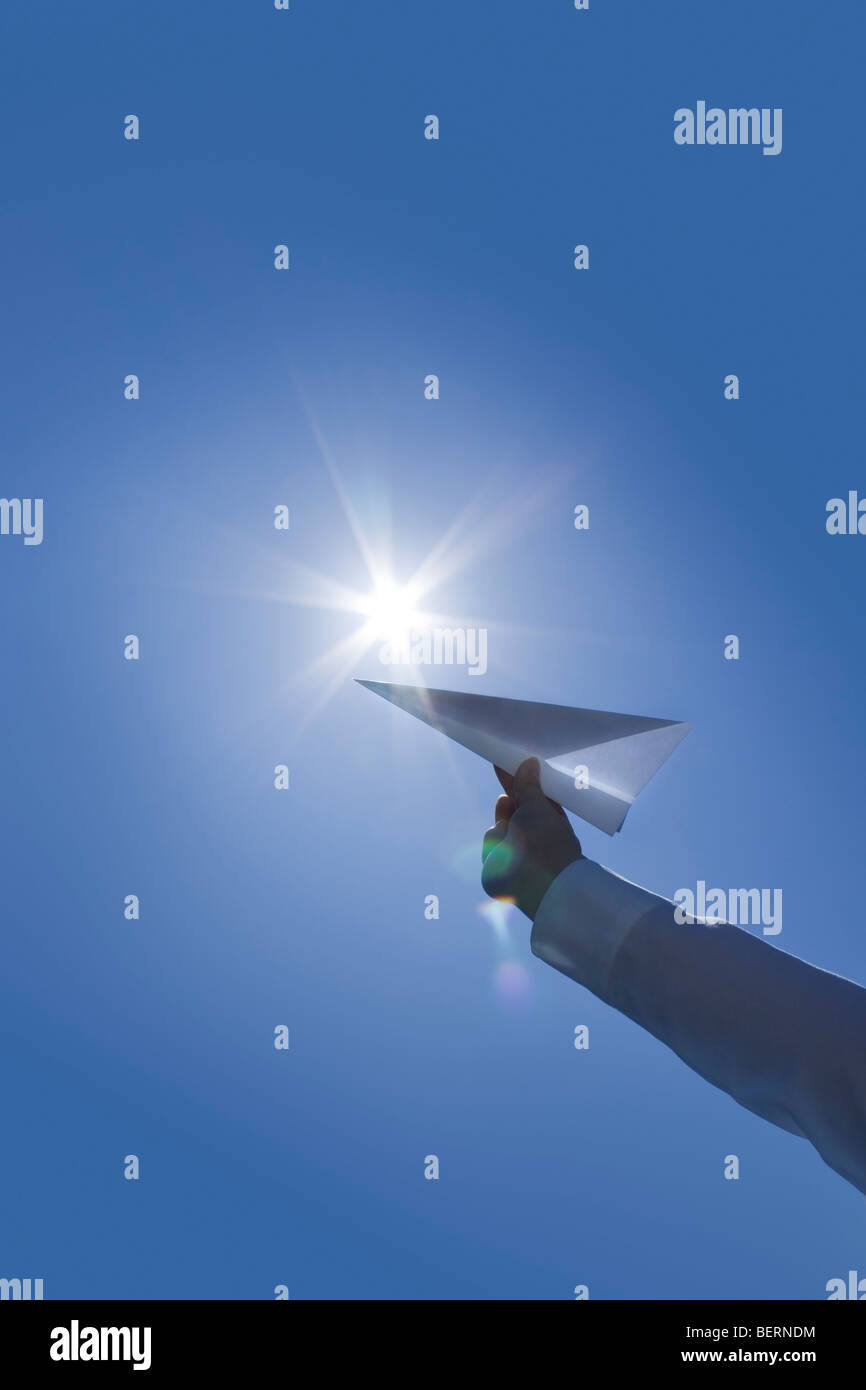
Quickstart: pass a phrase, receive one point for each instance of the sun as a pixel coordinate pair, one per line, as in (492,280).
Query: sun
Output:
(390,610)
(393,614)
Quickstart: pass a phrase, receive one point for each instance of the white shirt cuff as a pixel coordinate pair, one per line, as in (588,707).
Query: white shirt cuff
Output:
(583,919)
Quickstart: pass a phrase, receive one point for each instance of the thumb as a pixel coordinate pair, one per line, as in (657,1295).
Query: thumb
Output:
(527,782)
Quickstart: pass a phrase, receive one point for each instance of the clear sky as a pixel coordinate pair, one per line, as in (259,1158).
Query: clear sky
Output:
(305,387)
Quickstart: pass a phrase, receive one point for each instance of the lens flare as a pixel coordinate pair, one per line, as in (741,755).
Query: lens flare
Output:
(498,912)
(511,982)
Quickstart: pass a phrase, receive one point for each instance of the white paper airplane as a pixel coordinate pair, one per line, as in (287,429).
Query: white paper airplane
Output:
(592,761)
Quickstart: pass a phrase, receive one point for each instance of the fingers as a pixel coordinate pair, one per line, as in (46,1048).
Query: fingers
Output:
(506,780)
(527,782)
(500,864)
(523,790)
(505,808)
(493,837)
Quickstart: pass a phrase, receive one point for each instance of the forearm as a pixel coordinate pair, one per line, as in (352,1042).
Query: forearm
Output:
(785,1039)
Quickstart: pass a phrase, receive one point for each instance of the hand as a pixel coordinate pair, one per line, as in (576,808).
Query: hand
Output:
(530,844)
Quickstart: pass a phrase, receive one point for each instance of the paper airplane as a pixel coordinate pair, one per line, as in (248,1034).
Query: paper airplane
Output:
(592,761)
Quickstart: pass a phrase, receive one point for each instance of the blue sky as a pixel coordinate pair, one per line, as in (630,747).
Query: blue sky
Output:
(155,777)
